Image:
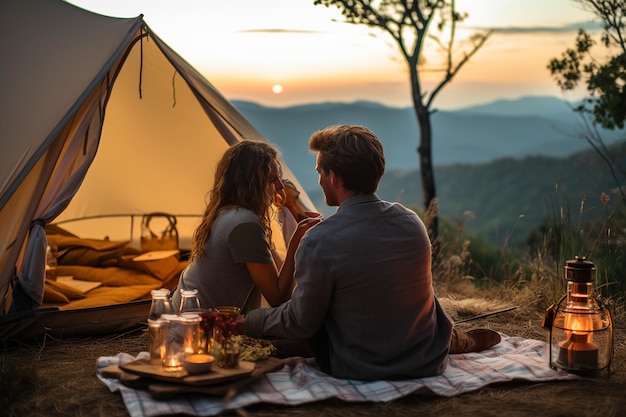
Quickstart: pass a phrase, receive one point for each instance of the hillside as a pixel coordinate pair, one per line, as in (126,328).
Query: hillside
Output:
(499,192)
(543,126)
(499,161)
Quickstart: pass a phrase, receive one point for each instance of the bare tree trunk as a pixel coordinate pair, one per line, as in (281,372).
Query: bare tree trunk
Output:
(425,152)
(409,23)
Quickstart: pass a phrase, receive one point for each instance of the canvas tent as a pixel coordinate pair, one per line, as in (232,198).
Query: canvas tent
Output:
(100,120)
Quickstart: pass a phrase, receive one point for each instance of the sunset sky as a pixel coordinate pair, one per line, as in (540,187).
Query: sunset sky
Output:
(285,52)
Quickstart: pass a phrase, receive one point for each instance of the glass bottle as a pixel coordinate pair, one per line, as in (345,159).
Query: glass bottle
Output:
(160,304)
(189,302)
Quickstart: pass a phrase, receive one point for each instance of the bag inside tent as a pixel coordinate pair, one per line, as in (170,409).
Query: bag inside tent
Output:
(103,127)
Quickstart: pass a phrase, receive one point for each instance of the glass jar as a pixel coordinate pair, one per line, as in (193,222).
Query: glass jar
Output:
(156,337)
(207,318)
(172,344)
(181,339)
(229,355)
(223,348)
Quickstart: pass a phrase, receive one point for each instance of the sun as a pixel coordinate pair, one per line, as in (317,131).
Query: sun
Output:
(277,88)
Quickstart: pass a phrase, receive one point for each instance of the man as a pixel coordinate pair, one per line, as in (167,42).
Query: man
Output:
(364,287)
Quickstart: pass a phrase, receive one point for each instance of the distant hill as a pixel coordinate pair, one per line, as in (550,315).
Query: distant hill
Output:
(501,161)
(548,107)
(542,126)
(510,195)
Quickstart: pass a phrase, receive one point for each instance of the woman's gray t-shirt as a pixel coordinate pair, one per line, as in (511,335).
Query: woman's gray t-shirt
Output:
(221,276)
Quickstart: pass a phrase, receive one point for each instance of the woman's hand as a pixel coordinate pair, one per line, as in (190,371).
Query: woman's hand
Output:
(276,286)
(312,218)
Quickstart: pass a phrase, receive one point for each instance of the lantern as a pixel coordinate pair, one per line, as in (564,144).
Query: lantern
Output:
(580,336)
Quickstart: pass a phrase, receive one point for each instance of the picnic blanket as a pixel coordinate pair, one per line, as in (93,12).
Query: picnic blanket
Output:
(300,382)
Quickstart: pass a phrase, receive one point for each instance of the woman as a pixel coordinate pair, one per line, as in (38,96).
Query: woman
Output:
(231,253)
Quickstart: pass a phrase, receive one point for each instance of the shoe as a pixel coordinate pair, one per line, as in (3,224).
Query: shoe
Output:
(473,341)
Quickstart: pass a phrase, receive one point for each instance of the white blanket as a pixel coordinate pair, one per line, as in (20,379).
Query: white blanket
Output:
(300,382)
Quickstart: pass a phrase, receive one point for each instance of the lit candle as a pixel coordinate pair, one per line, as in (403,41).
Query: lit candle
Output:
(172,363)
(578,351)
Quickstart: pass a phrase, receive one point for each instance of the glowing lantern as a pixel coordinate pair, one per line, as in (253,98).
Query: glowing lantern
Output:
(580,336)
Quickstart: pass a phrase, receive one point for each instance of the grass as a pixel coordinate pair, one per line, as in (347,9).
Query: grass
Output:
(569,230)
(16,381)
(66,384)
(57,378)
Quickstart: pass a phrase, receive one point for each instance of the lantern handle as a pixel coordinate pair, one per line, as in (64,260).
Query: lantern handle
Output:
(548,318)
(608,315)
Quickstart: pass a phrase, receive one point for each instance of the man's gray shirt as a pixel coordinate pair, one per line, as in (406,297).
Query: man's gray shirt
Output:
(364,275)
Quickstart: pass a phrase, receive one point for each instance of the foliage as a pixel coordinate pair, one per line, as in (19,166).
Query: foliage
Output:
(511,198)
(468,256)
(605,81)
(252,350)
(601,240)
(599,236)
(409,24)
(577,220)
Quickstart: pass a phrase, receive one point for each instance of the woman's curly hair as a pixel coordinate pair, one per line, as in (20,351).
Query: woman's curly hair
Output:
(242,179)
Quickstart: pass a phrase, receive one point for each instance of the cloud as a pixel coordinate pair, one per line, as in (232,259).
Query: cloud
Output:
(276,30)
(589,26)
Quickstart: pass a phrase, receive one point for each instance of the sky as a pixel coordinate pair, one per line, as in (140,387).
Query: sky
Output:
(288,52)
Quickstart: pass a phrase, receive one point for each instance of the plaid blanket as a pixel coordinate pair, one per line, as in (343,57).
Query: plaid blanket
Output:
(300,382)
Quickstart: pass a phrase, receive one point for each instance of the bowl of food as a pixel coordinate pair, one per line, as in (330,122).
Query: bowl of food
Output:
(198,363)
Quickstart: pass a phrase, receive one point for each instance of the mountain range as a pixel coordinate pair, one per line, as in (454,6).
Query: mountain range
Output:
(501,160)
(529,126)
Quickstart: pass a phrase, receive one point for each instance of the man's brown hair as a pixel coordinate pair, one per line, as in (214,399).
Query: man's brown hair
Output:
(353,152)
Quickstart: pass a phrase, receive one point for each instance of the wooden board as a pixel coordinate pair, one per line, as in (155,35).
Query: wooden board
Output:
(217,375)
(140,376)
(164,390)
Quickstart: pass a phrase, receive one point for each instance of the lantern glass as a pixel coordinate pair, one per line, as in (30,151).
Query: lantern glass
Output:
(581,335)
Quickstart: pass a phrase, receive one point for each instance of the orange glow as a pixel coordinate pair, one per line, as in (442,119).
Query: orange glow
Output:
(582,324)
(322,58)
(199,358)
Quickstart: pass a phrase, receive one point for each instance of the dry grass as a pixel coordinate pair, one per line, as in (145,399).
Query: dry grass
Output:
(66,384)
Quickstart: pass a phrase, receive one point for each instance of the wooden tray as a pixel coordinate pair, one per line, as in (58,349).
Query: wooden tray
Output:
(217,375)
(164,390)
(141,374)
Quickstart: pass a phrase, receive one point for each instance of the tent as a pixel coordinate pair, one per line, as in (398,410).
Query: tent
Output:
(101,121)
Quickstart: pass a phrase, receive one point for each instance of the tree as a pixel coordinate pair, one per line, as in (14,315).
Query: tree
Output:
(605,105)
(409,24)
